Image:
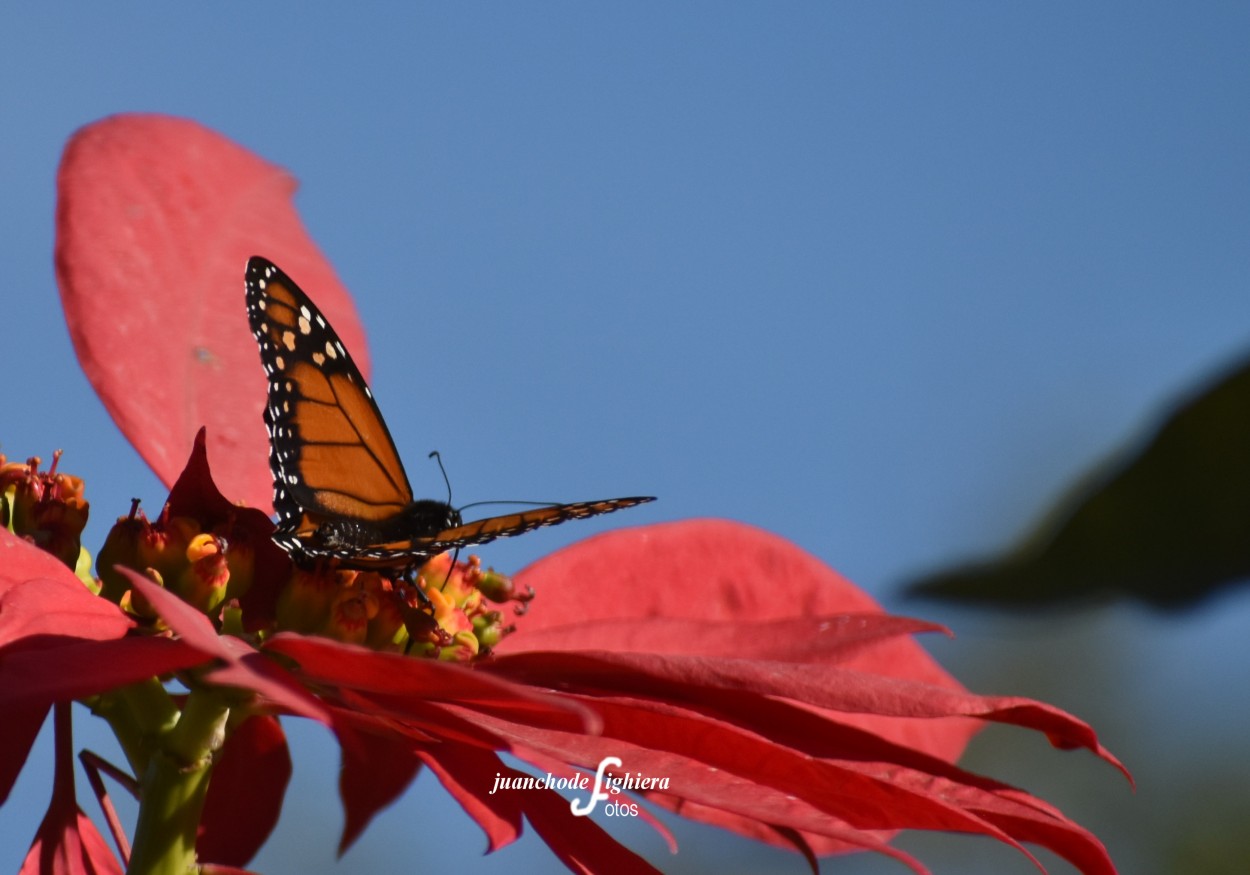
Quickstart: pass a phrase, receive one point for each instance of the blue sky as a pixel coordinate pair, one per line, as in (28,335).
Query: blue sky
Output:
(883,279)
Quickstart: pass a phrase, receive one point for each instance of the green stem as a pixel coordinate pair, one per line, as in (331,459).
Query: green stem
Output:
(138,715)
(174,787)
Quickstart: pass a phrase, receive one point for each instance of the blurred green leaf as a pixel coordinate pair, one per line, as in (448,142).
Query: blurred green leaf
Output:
(1167,522)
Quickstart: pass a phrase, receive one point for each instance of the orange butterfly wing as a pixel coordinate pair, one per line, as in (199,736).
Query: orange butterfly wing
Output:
(507,525)
(330,451)
(340,490)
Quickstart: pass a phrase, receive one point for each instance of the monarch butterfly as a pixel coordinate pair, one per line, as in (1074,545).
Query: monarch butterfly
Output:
(340,490)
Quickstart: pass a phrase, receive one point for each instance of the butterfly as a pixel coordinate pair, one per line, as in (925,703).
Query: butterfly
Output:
(340,491)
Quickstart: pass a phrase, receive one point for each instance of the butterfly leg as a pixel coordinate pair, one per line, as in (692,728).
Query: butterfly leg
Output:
(410,577)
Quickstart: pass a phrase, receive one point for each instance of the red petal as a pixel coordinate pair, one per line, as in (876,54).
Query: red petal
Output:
(579,842)
(809,639)
(698,679)
(67,843)
(718,766)
(378,765)
(17,734)
(156,218)
(700,569)
(1025,817)
(398,680)
(464,772)
(71,847)
(56,635)
(250,777)
(893,797)
(39,596)
(73,669)
(718,571)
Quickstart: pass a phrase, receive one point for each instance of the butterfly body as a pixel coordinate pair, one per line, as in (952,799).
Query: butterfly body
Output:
(351,539)
(340,490)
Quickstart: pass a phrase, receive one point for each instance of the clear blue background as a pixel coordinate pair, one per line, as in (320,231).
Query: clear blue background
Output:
(882,278)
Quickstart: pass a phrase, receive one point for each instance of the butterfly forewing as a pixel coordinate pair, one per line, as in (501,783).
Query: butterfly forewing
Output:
(340,490)
(330,451)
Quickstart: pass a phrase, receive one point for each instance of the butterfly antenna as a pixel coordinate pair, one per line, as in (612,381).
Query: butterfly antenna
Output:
(436,456)
(526,503)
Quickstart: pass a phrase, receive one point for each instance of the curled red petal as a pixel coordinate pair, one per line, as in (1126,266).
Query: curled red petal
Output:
(464,772)
(156,218)
(1023,816)
(580,843)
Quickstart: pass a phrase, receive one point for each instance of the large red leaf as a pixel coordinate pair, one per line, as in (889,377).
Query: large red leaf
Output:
(156,218)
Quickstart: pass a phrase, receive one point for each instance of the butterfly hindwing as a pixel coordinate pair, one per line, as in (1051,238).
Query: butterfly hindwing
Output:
(485,530)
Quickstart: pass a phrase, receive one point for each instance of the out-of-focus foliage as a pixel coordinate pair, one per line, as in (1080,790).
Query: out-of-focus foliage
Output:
(1168,522)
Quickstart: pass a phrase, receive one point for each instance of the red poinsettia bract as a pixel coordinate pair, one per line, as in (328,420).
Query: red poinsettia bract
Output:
(774,698)
(704,667)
